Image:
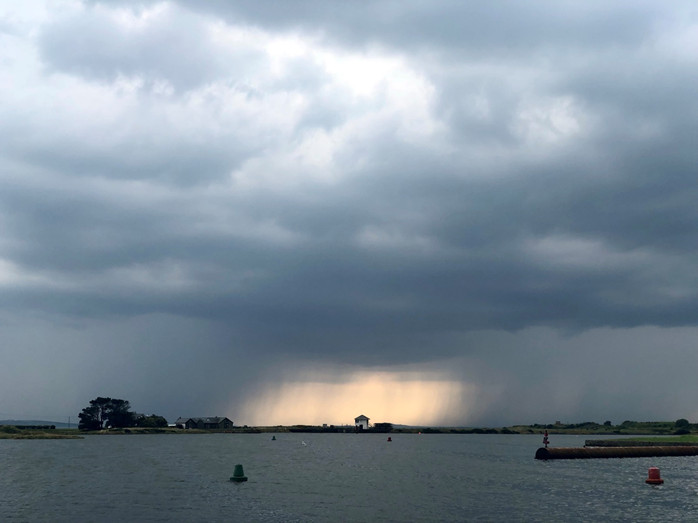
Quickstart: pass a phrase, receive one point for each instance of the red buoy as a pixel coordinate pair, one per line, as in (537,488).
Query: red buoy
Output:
(653,476)
(390,439)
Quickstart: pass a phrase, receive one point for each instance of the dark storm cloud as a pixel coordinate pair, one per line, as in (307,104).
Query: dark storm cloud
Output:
(504,26)
(373,183)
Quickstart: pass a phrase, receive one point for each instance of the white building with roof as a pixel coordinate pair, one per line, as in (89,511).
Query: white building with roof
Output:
(361,422)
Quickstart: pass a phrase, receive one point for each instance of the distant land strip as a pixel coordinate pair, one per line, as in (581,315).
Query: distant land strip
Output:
(14,432)
(680,432)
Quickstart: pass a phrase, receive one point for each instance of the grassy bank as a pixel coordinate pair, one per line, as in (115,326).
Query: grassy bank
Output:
(629,428)
(12,432)
(640,431)
(170,430)
(685,438)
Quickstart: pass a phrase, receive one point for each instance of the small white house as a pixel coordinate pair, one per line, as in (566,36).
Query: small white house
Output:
(361,422)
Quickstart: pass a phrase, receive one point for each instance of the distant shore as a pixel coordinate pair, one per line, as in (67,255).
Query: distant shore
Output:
(13,432)
(683,432)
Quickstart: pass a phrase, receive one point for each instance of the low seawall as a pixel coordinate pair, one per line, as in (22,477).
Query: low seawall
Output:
(629,443)
(614,452)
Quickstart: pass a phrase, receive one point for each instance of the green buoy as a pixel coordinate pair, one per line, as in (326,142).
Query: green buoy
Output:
(273,438)
(238,474)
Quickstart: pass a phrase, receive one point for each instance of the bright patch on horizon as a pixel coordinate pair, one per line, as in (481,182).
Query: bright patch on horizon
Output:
(393,397)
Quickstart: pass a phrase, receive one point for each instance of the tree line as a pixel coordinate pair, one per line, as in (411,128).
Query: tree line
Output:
(104,413)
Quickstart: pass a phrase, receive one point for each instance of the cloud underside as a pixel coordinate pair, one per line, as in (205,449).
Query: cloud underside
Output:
(364,187)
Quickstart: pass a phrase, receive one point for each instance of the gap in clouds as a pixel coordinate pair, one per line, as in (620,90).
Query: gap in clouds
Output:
(407,398)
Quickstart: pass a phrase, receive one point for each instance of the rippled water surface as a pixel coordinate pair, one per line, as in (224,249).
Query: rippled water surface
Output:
(332,477)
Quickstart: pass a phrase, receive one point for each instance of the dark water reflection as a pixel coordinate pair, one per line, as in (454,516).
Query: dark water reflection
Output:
(333,477)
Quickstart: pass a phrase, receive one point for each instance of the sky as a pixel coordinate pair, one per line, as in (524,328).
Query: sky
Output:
(436,212)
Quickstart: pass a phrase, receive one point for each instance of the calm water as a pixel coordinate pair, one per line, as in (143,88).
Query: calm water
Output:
(334,477)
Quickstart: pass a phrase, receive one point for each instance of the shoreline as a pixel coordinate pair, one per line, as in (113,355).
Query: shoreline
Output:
(635,433)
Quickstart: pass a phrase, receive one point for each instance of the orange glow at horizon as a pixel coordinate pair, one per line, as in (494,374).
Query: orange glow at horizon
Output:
(400,398)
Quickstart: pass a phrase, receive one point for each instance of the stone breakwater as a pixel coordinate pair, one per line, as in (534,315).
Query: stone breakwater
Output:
(626,443)
(615,452)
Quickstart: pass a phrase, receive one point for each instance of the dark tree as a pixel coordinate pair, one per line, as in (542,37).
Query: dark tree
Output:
(141,420)
(383,427)
(106,412)
(681,423)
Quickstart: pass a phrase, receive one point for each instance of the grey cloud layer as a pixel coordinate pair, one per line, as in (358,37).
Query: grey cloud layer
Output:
(607,185)
(534,168)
